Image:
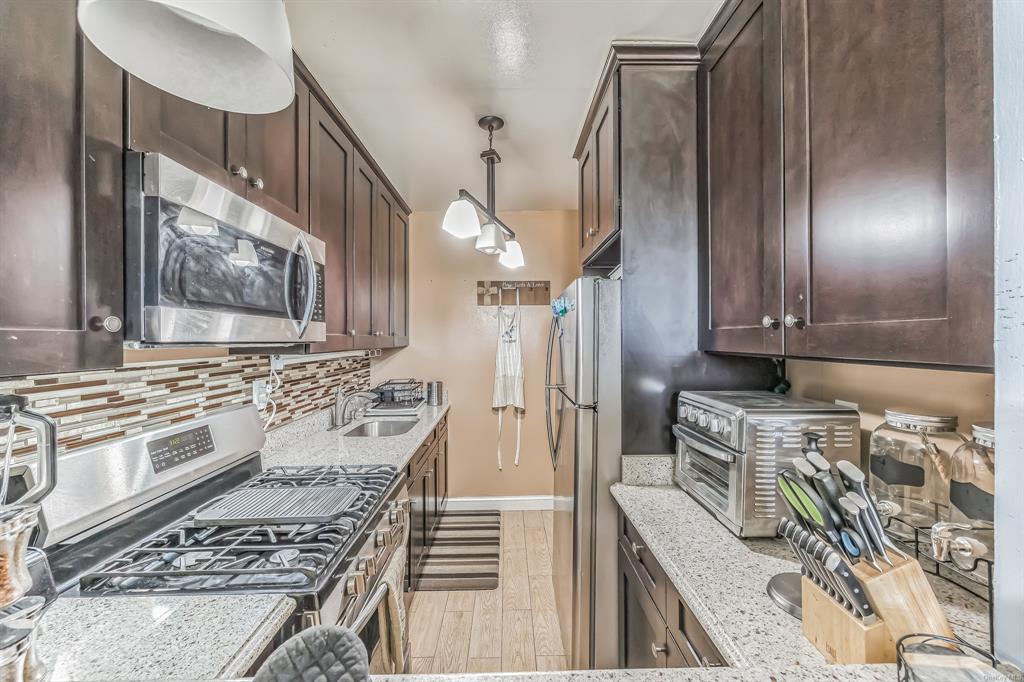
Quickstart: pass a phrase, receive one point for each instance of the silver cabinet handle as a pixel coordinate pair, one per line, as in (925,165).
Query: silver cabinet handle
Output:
(110,323)
(591,232)
(636,549)
(351,332)
(794,321)
(256,183)
(769,322)
(240,171)
(658,650)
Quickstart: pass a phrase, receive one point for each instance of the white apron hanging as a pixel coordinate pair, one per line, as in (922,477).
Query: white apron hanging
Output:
(508,370)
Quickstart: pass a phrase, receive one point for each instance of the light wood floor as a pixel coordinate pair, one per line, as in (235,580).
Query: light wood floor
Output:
(511,629)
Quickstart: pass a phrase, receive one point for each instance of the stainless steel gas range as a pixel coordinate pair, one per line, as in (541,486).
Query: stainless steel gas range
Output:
(184,510)
(731,445)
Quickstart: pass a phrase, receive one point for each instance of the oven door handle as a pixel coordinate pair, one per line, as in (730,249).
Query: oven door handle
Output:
(701,446)
(307,314)
(371,606)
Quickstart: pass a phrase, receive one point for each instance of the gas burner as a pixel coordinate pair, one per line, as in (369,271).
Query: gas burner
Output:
(189,558)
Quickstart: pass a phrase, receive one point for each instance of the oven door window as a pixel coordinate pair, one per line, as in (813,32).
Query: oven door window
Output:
(709,475)
(207,265)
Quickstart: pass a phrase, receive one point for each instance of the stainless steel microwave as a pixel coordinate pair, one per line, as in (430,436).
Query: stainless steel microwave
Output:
(205,266)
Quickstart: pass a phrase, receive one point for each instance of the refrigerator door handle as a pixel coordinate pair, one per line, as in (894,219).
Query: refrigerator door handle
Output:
(554,440)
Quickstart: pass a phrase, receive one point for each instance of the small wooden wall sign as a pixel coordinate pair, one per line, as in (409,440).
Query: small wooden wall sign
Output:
(503,291)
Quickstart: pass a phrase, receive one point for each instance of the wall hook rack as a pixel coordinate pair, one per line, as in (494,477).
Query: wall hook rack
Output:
(498,291)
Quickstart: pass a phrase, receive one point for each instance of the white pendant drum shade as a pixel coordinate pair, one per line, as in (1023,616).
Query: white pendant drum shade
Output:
(461,220)
(491,240)
(513,256)
(234,55)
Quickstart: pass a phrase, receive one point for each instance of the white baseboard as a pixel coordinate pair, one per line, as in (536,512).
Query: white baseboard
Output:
(510,503)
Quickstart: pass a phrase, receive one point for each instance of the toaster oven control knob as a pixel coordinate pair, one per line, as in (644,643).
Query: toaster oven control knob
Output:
(356,584)
(691,414)
(703,419)
(716,425)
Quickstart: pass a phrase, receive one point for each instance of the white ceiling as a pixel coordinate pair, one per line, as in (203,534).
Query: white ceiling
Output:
(413,76)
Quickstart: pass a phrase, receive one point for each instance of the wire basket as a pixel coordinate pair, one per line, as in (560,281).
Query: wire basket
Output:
(936,658)
(400,392)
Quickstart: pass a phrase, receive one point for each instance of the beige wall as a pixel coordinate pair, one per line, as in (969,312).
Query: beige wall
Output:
(968,395)
(453,340)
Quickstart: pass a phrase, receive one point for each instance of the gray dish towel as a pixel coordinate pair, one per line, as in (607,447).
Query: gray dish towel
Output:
(324,653)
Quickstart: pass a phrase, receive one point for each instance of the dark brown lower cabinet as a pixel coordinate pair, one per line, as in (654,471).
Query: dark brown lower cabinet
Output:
(428,493)
(657,629)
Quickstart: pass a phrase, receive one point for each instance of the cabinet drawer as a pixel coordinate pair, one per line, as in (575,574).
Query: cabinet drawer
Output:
(441,427)
(643,638)
(420,459)
(688,633)
(651,575)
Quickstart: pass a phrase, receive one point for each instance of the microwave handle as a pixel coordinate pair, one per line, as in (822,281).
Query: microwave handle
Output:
(307,314)
(704,448)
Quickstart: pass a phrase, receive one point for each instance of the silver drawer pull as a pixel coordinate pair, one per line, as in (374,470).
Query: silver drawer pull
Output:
(658,650)
(636,549)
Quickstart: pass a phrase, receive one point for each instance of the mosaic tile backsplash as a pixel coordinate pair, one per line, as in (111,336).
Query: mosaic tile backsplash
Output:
(92,407)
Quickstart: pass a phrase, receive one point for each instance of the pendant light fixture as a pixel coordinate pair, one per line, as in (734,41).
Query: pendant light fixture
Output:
(234,56)
(462,219)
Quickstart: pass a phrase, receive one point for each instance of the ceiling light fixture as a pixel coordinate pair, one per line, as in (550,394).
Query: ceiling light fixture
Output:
(234,56)
(462,219)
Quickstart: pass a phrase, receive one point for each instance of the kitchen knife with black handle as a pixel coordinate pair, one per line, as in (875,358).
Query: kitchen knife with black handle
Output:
(851,585)
(795,534)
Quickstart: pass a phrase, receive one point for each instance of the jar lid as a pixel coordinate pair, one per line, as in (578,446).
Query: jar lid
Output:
(984,433)
(915,420)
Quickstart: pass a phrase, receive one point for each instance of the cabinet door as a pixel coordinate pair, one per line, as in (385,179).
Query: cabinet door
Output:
(380,317)
(209,141)
(417,527)
(889,180)
(442,473)
(605,168)
(277,157)
(740,183)
(62,203)
(361,253)
(330,217)
(587,198)
(643,638)
(400,278)
(680,656)
(430,495)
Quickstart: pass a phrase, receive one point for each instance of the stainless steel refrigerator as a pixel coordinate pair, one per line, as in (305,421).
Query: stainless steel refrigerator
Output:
(583,409)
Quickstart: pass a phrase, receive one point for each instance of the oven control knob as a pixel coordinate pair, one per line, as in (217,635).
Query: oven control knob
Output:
(716,425)
(367,565)
(703,419)
(356,584)
(382,538)
(395,516)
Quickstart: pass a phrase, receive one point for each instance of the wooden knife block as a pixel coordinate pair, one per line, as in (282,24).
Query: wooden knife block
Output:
(902,599)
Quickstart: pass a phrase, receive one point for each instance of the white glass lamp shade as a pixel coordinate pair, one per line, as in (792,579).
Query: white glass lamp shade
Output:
(461,220)
(513,256)
(234,55)
(491,240)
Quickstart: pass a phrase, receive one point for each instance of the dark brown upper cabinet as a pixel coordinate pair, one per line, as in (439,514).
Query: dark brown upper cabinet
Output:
(740,183)
(380,290)
(277,157)
(264,158)
(361,252)
(400,278)
(598,188)
(330,219)
(209,141)
(62,204)
(887,174)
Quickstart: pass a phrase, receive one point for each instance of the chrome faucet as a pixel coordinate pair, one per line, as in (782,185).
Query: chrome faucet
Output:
(339,413)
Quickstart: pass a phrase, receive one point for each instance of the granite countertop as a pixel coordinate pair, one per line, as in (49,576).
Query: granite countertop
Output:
(845,673)
(723,579)
(151,638)
(308,442)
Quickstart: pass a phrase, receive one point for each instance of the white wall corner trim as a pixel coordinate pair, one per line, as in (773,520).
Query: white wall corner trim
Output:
(508,503)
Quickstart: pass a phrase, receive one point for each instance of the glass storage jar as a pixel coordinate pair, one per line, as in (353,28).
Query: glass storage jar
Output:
(910,461)
(972,483)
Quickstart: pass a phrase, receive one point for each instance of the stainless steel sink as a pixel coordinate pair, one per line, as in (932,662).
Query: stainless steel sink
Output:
(380,428)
